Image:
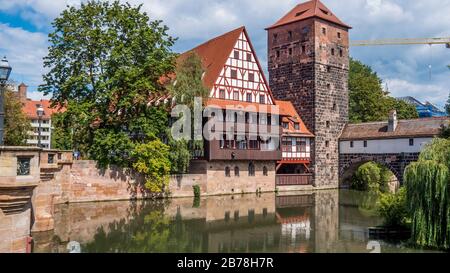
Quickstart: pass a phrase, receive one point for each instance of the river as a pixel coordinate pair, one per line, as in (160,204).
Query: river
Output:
(320,222)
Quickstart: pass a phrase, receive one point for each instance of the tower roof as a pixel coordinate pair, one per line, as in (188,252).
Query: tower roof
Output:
(306,10)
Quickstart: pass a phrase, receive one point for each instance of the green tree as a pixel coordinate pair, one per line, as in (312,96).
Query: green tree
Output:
(188,85)
(105,61)
(367,99)
(62,136)
(17,125)
(152,160)
(372,177)
(428,196)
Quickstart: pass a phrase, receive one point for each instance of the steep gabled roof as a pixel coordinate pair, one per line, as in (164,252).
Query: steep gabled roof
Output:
(307,10)
(30,109)
(214,54)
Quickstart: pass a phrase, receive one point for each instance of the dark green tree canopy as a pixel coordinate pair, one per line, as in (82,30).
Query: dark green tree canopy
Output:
(447,106)
(368,100)
(17,124)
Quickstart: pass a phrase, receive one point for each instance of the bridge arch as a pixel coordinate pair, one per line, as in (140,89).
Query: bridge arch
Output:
(396,163)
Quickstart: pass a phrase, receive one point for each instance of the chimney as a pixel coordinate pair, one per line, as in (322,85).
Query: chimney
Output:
(393,122)
(23,92)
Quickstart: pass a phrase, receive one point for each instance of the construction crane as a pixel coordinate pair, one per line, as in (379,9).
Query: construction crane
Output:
(418,41)
(411,41)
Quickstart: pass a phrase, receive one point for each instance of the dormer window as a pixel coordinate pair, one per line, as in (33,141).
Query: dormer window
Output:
(285,125)
(297,126)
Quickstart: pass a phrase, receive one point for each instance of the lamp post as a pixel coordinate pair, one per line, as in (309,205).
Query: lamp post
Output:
(40,113)
(5,71)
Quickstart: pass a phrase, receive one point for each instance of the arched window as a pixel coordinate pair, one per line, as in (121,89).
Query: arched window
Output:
(265,171)
(251,169)
(227,172)
(236,171)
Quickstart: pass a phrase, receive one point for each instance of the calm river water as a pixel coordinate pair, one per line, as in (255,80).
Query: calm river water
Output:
(324,221)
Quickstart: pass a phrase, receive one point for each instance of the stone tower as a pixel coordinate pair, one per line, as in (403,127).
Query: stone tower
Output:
(308,52)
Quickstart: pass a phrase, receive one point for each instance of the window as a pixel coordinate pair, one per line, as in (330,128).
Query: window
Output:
(327,144)
(251,77)
(328,124)
(303,49)
(334,106)
(328,156)
(275,37)
(23,166)
(339,35)
(235,95)
(290,51)
(287,145)
(328,68)
(233,73)
(222,93)
(251,169)
(341,53)
(352,144)
(278,54)
(411,142)
(301,146)
(241,142)
(297,126)
(328,86)
(249,97)
(285,125)
(332,52)
(236,55)
(324,31)
(51,159)
(227,172)
(249,57)
(262,99)
(236,171)
(290,35)
(253,144)
(365,143)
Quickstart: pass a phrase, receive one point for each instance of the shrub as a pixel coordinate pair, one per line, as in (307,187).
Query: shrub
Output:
(393,209)
(196,191)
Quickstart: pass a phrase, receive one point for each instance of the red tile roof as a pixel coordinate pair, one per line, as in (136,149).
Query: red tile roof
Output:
(292,117)
(214,54)
(424,127)
(30,107)
(307,10)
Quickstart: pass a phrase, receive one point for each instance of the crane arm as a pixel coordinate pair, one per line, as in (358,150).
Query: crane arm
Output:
(418,41)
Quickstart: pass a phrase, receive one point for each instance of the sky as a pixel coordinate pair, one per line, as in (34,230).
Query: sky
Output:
(420,70)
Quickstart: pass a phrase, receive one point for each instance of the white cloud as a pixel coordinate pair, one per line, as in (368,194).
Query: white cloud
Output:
(195,21)
(25,51)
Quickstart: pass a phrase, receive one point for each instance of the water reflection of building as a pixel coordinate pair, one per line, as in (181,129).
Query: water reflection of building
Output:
(240,223)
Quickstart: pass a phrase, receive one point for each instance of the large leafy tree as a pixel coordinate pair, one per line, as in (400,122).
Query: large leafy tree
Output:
(105,62)
(368,100)
(17,125)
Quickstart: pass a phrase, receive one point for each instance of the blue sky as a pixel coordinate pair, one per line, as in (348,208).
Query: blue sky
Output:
(24,25)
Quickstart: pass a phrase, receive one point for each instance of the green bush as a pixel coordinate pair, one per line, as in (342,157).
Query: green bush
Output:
(393,208)
(196,191)
(371,177)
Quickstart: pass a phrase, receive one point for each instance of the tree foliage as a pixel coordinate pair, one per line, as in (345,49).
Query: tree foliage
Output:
(427,183)
(368,101)
(152,160)
(105,61)
(392,207)
(17,125)
(371,177)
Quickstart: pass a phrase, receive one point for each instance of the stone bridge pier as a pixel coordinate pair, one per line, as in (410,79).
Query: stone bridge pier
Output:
(396,162)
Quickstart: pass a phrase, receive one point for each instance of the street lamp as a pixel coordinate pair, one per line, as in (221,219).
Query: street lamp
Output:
(5,71)
(40,114)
